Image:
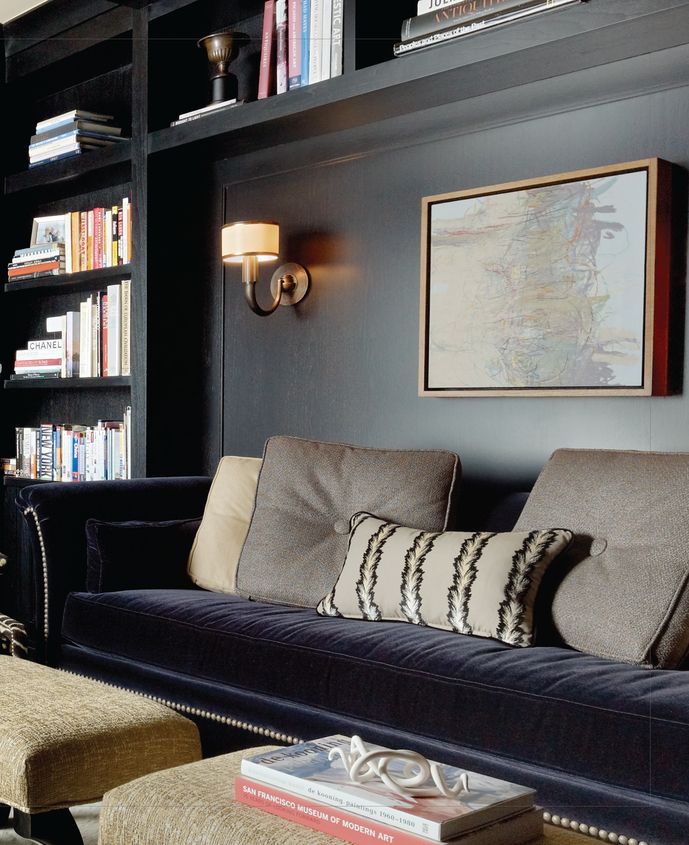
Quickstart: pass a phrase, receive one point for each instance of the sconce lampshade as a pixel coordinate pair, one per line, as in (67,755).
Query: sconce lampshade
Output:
(259,240)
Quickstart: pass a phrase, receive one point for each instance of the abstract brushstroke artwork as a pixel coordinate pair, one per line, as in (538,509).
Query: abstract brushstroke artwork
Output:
(551,286)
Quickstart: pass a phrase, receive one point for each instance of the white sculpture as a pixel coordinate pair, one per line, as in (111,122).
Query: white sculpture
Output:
(363,765)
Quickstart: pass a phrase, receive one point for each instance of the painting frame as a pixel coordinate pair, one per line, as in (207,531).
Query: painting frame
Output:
(59,225)
(653,295)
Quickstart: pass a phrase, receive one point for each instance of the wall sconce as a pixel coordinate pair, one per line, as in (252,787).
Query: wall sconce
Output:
(251,244)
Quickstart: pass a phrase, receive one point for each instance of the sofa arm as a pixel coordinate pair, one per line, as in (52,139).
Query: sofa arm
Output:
(56,515)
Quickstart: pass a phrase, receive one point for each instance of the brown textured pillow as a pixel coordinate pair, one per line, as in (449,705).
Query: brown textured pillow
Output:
(479,583)
(624,593)
(307,492)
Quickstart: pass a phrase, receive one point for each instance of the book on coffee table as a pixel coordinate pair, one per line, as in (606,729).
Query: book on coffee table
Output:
(305,770)
(513,830)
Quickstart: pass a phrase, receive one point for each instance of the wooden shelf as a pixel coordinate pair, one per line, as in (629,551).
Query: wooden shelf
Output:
(67,383)
(69,168)
(508,57)
(87,280)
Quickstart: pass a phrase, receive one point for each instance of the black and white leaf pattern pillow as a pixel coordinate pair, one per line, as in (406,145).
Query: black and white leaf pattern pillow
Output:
(479,583)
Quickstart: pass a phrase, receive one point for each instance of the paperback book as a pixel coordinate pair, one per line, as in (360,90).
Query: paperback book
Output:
(513,830)
(307,771)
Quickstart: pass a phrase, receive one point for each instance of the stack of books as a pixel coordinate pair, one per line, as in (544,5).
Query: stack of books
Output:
(33,262)
(211,109)
(439,21)
(72,452)
(301,784)
(93,342)
(301,44)
(70,134)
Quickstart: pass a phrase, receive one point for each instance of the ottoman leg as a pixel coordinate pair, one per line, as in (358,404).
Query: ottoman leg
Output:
(4,813)
(54,828)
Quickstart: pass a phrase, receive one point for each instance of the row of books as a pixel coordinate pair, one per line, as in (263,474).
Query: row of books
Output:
(70,134)
(69,452)
(439,21)
(89,343)
(75,241)
(302,43)
(303,784)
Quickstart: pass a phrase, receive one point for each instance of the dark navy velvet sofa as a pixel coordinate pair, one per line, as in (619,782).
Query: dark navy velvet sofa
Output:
(606,744)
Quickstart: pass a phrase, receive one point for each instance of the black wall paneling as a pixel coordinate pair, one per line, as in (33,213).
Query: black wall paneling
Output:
(343,365)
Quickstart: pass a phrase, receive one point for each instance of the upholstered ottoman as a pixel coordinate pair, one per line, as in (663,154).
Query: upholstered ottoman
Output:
(194,805)
(65,740)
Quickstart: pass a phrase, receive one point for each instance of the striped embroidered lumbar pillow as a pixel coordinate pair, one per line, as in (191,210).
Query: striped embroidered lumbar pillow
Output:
(472,583)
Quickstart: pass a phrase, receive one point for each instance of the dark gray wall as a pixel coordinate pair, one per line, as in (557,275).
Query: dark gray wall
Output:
(343,365)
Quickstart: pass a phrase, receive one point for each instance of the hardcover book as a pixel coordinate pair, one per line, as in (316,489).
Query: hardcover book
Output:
(514,830)
(306,770)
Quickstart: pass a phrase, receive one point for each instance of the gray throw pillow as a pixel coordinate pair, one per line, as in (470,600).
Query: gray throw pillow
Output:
(307,492)
(624,590)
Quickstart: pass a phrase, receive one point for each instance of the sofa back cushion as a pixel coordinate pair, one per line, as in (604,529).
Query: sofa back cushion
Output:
(226,517)
(307,493)
(622,592)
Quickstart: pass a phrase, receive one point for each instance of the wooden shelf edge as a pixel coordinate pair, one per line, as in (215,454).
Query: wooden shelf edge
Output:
(69,169)
(67,383)
(86,280)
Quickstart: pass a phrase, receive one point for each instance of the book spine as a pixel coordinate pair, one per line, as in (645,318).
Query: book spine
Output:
(326,38)
(85,339)
(105,331)
(120,235)
(29,364)
(457,13)
(337,39)
(97,238)
(267,41)
(294,44)
(113,258)
(329,794)
(45,466)
(305,40)
(37,162)
(83,241)
(281,36)
(95,335)
(72,343)
(89,239)
(316,33)
(107,237)
(534,7)
(114,330)
(75,255)
(321,817)
(126,311)
(34,267)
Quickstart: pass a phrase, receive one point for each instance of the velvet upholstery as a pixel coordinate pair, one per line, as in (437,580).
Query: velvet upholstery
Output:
(444,685)
(62,511)
(136,555)
(603,742)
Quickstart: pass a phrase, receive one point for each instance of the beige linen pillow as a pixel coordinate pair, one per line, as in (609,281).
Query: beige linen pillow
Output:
(471,583)
(214,556)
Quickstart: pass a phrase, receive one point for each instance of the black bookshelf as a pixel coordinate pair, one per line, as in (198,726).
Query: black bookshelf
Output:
(86,280)
(67,383)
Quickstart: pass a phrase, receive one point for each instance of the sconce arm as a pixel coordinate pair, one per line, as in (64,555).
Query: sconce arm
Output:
(250,295)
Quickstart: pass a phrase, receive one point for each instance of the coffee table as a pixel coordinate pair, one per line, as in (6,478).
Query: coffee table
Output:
(195,803)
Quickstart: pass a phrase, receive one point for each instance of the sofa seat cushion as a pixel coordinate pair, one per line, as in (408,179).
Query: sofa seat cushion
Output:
(552,707)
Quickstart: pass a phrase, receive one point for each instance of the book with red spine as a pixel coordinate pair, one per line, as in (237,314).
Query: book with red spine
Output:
(294,22)
(104,334)
(98,238)
(513,830)
(33,363)
(29,269)
(120,235)
(266,76)
(83,241)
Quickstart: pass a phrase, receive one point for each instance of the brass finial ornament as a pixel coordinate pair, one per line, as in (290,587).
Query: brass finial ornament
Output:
(220,49)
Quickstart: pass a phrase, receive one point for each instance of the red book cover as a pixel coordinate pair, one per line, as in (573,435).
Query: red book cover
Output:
(40,267)
(97,238)
(294,15)
(514,830)
(266,75)
(120,235)
(37,362)
(104,334)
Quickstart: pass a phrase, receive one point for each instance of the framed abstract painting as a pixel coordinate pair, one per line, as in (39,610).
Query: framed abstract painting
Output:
(558,286)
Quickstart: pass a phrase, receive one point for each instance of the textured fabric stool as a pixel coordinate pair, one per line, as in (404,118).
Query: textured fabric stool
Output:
(194,805)
(65,740)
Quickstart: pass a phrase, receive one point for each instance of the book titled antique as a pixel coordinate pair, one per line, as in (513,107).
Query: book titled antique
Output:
(514,830)
(449,15)
(424,6)
(266,75)
(532,7)
(307,771)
